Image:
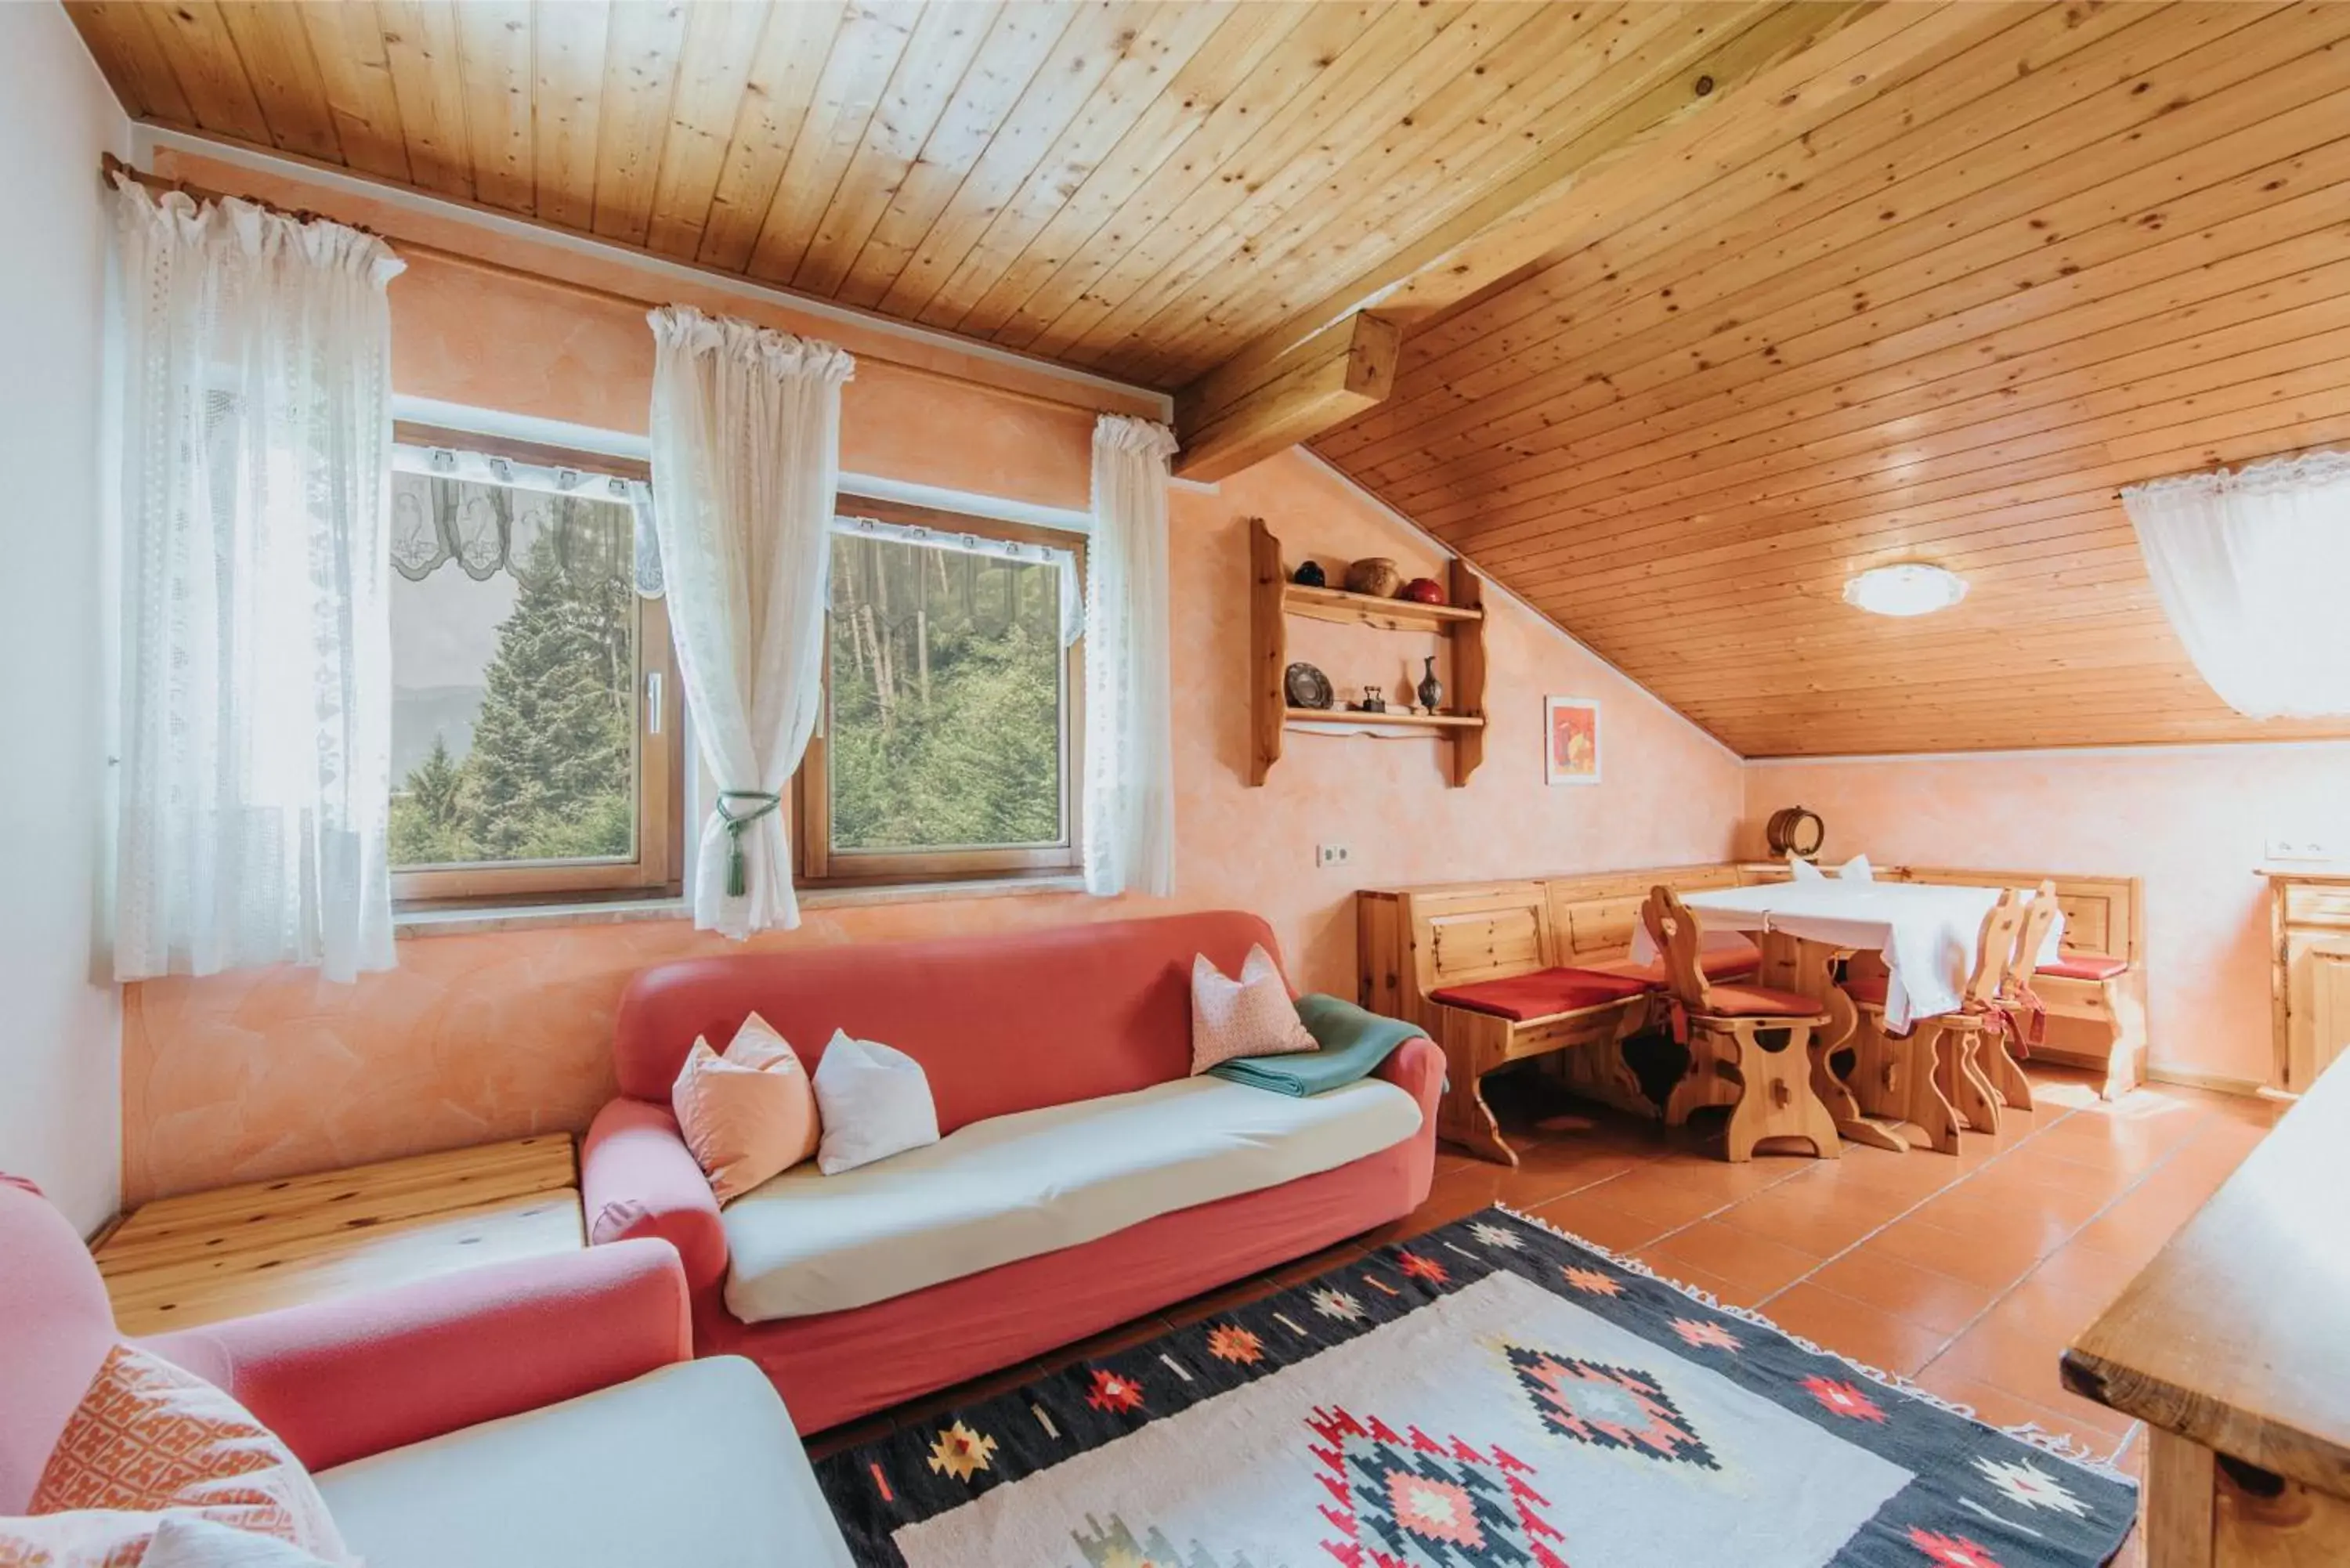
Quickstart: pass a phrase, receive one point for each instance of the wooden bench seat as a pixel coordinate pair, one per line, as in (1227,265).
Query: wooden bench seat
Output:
(1434,955)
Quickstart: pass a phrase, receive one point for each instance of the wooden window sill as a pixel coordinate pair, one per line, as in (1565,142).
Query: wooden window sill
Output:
(540,916)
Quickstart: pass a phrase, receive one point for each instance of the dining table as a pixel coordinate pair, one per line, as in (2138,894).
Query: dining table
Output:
(1928,934)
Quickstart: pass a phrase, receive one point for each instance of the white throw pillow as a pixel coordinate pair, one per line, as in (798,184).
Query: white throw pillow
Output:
(1251,1016)
(1804,871)
(1858,869)
(873,1102)
(185,1541)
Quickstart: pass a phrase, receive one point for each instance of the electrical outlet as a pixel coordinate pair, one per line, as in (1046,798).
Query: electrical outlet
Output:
(2297,847)
(1327,854)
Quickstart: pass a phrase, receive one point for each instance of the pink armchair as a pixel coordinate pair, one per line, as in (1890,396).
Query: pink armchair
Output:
(453,1422)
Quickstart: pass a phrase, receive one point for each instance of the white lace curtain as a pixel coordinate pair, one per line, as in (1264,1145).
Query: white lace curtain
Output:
(1130,815)
(2250,567)
(1064,562)
(746,461)
(256,682)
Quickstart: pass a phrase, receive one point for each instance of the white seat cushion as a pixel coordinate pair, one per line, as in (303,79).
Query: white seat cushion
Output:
(1034,1182)
(694,1463)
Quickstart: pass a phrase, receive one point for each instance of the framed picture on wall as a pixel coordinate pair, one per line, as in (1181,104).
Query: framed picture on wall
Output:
(1570,734)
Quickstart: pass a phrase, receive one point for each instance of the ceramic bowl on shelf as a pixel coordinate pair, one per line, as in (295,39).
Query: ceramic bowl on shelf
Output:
(1423,591)
(1376,575)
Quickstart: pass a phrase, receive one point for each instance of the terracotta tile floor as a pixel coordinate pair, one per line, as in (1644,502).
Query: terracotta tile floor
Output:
(1968,1273)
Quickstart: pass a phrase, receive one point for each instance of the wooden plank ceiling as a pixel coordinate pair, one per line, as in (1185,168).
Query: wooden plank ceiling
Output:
(2097,246)
(1137,187)
(1702,307)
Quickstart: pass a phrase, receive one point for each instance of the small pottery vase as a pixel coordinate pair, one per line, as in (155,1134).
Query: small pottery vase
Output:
(1310,576)
(1431,689)
(1376,575)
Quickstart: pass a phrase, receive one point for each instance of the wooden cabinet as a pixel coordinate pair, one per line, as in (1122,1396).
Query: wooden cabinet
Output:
(2309,919)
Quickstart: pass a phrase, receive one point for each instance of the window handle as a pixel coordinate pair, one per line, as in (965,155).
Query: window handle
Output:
(653,701)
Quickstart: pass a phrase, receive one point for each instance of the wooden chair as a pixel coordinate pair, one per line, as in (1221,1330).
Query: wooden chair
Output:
(2021,1010)
(1932,1078)
(1751,1038)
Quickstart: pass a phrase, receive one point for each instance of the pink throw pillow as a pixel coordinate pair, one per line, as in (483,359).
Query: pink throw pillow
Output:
(148,1437)
(748,1115)
(1251,1016)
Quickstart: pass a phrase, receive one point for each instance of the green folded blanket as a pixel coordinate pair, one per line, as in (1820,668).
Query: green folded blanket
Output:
(1354,1044)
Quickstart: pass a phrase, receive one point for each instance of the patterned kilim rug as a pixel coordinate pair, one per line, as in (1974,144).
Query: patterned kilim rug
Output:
(1492,1393)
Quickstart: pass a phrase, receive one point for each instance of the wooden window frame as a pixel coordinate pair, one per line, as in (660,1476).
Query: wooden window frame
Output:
(657,870)
(821,866)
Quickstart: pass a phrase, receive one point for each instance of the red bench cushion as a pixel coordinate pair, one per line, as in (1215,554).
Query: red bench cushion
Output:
(1541,993)
(1719,964)
(2085,966)
(1868,990)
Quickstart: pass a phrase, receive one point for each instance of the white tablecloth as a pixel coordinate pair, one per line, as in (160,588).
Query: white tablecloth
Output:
(1928,932)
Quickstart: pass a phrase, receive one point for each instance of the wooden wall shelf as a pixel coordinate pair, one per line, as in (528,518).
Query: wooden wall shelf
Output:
(1398,721)
(1273,598)
(1363,609)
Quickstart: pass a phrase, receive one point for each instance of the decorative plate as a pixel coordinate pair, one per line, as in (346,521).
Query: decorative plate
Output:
(1307,686)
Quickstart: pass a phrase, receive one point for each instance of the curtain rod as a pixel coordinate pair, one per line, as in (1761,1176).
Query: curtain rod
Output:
(109,165)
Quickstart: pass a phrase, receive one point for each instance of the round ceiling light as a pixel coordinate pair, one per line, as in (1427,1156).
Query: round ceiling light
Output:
(1910,587)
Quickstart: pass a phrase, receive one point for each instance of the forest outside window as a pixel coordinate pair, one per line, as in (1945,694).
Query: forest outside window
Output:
(535,713)
(953,687)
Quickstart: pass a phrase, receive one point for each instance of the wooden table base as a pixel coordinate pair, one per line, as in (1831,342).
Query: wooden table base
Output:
(1808,968)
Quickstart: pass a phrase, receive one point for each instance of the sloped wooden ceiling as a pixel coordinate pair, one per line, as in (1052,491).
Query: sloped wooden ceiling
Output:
(2099,245)
(1701,307)
(1138,188)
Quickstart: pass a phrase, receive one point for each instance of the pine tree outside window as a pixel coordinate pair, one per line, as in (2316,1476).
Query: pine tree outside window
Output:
(536,713)
(954,683)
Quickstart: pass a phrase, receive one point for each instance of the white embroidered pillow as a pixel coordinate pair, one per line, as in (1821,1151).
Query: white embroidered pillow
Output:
(1251,1016)
(1802,870)
(1858,869)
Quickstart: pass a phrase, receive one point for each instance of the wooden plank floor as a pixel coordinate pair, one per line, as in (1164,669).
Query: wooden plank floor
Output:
(205,1256)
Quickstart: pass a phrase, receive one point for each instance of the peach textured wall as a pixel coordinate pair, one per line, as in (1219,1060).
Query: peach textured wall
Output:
(2193,822)
(267,1072)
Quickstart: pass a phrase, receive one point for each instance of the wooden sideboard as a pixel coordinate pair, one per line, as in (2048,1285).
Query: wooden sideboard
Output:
(2309,926)
(2231,1347)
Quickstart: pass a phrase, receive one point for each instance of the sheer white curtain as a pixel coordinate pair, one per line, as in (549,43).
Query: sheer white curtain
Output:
(257,680)
(747,460)
(2249,568)
(1129,805)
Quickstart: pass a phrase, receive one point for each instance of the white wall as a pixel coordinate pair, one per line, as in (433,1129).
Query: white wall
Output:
(60,1026)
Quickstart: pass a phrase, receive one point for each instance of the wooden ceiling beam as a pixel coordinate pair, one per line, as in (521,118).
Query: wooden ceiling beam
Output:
(1766,76)
(1343,369)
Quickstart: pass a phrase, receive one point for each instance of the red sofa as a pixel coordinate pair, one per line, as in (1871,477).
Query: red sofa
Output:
(1001,1025)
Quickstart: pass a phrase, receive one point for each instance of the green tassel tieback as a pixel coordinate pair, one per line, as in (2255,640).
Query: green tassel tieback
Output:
(738,881)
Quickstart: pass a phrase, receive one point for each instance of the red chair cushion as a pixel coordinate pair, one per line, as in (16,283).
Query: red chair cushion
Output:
(2085,966)
(1868,990)
(1758,1001)
(1719,964)
(1540,995)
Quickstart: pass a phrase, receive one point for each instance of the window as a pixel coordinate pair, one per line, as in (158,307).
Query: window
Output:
(953,692)
(535,713)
